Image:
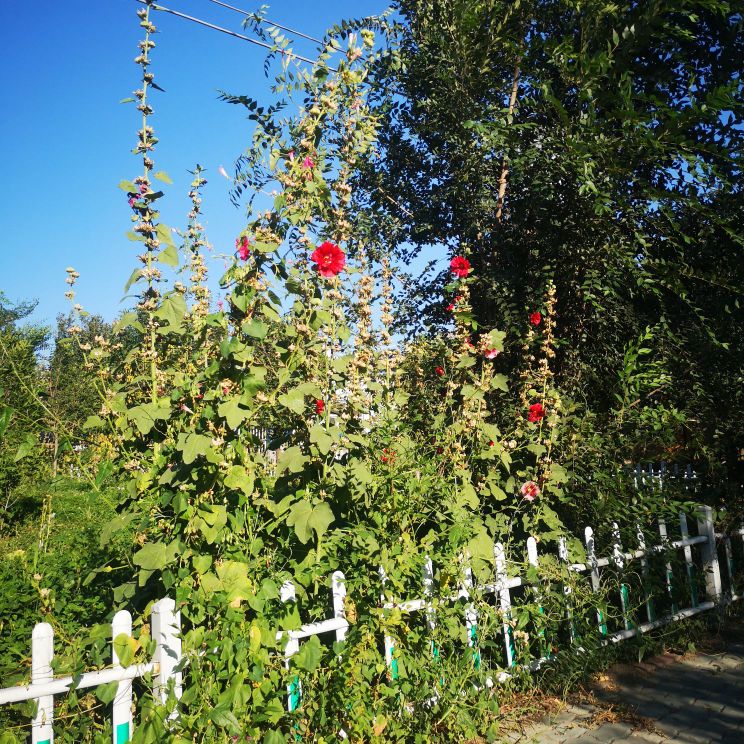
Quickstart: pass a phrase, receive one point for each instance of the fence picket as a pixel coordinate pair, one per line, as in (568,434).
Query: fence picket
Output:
(618,559)
(502,589)
(121,712)
(594,574)
(42,652)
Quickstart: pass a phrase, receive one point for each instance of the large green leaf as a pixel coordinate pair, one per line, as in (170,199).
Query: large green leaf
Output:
(320,519)
(299,518)
(291,460)
(145,415)
(231,410)
(151,556)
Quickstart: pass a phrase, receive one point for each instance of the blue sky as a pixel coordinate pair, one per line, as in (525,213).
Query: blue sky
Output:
(65,139)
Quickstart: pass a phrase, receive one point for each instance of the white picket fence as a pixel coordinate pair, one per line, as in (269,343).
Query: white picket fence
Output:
(167,661)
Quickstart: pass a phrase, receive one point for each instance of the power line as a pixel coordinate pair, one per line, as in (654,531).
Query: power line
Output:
(228,32)
(266,20)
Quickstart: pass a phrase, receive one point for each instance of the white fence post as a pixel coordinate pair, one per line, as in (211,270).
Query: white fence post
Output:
(121,713)
(390,660)
(42,651)
(294,691)
(165,627)
(338,590)
(591,554)
(533,560)
(619,561)
(710,555)
(471,614)
(667,566)
(563,557)
(650,614)
(502,589)
(691,578)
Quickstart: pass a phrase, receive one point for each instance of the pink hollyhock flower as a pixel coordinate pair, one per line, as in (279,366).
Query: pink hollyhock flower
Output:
(329,259)
(131,202)
(535,319)
(491,353)
(220,305)
(308,163)
(241,245)
(460,266)
(536,412)
(530,490)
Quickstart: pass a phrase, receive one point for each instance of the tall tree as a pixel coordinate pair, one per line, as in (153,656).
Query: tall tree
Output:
(593,144)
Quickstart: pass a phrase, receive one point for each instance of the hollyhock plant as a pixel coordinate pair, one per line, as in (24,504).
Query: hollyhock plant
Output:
(536,412)
(530,490)
(329,259)
(535,319)
(460,266)
(319,407)
(241,245)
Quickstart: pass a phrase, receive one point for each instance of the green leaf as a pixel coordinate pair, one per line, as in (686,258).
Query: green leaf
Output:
(26,448)
(360,472)
(202,563)
(169,256)
(192,446)
(233,576)
(92,422)
(164,234)
(320,438)
(172,310)
(128,186)
(320,519)
(292,460)
(106,693)
(263,247)
(307,659)
(299,517)
(255,329)
(231,411)
(151,556)
(125,647)
(239,477)
(225,718)
(5,416)
(145,415)
(274,737)
(133,279)
(293,399)
(499,382)
(163,176)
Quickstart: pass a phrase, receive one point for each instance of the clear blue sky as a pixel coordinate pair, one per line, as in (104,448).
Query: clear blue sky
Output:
(65,140)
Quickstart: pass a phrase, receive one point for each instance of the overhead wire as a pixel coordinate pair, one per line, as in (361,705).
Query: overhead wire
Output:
(227,31)
(293,31)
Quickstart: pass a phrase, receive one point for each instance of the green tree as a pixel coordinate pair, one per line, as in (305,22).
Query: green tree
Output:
(21,413)
(595,145)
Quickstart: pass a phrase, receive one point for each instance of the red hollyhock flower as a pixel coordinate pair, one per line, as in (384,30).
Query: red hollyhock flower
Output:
(535,319)
(329,259)
(241,245)
(536,412)
(319,407)
(450,307)
(530,490)
(439,371)
(460,266)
